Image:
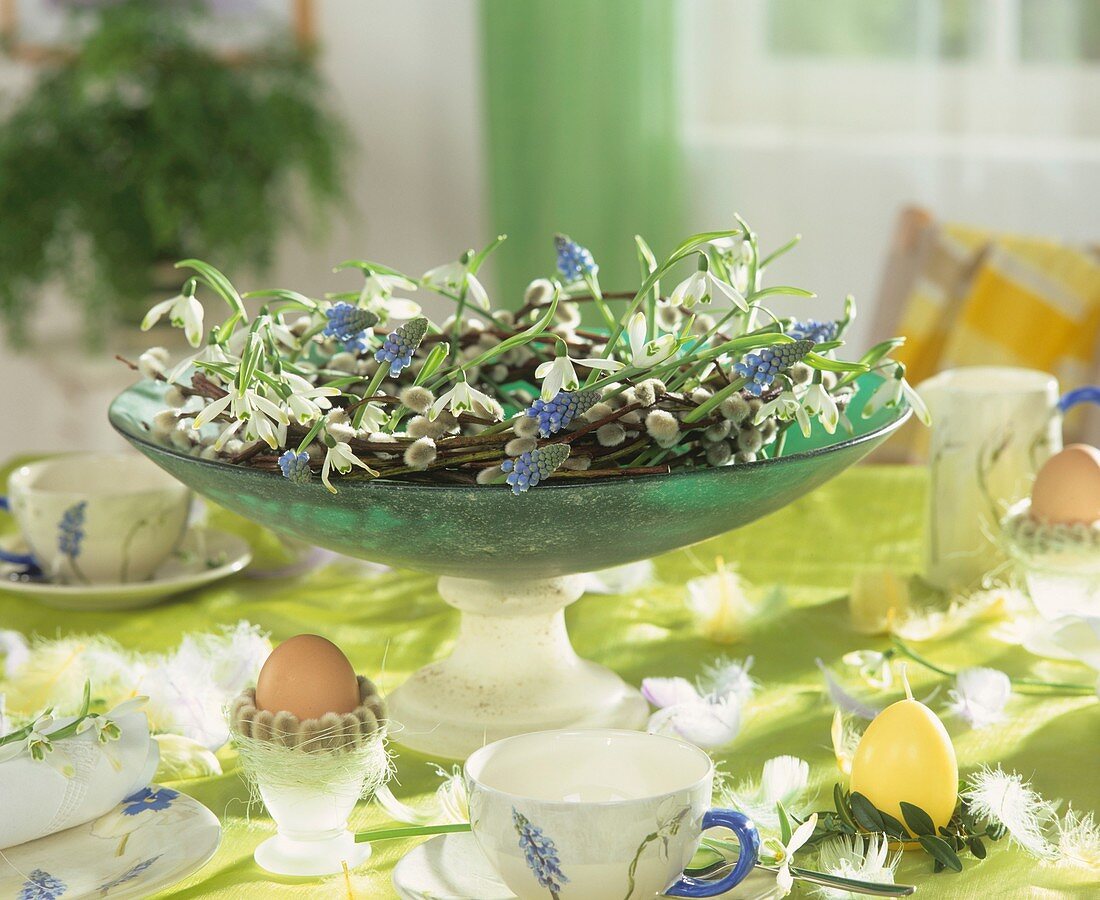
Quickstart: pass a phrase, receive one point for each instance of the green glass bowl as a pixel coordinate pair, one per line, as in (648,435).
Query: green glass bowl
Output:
(558,528)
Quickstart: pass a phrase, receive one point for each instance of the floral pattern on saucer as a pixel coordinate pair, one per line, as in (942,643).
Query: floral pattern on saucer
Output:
(153,839)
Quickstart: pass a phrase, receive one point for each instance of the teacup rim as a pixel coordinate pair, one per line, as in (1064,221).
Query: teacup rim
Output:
(649,798)
(21,475)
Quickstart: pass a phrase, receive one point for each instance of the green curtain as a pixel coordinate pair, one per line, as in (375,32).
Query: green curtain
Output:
(583,133)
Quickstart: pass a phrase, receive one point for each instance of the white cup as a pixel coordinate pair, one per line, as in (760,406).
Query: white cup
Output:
(588,815)
(96,518)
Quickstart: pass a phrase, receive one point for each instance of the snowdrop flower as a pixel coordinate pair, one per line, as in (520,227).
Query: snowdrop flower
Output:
(260,417)
(863,858)
(698,287)
(784,854)
(339,456)
(818,402)
(378,286)
(455,277)
(183,311)
(646,354)
(307,403)
(979,696)
(454,803)
(874,667)
(783,780)
(786,406)
(842,699)
(891,392)
(558,374)
(212,353)
(720,605)
(1002,799)
(463,398)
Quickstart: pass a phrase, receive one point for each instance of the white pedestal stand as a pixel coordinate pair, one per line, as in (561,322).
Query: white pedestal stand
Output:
(512,671)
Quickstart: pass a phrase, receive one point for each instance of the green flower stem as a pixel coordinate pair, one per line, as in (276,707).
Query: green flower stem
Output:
(1024,685)
(389,834)
(372,389)
(597,298)
(685,248)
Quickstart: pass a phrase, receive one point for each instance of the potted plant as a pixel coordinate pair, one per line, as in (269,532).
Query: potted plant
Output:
(142,146)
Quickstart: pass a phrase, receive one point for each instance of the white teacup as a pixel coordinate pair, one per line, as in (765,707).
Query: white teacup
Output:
(591,815)
(96,518)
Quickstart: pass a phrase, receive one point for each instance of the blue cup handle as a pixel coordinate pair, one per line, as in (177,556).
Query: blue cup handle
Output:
(1088,394)
(748,839)
(17,559)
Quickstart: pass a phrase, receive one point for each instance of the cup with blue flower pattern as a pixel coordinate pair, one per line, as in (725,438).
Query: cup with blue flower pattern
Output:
(592,815)
(95,518)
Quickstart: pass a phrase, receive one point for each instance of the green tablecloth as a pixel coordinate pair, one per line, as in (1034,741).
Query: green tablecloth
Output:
(393,622)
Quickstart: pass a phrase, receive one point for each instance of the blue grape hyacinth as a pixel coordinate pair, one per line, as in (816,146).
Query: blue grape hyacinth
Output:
(401,344)
(295,467)
(70,530)
(540,854)
(559,412)
(812,330)
(762,367)
(347,323)
(528,469)
(574,261)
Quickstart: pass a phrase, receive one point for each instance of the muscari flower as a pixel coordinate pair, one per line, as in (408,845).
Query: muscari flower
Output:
(184,311)
(41,885)
(149,799)
(540,853)
(555,414)
(761,367)
(812,330)
(295,467)
(401,344)
(574,261)
(70,530)
(348,323)
(528,469)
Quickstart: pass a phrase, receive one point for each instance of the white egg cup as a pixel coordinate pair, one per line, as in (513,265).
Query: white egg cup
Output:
(313,836)
(310,774)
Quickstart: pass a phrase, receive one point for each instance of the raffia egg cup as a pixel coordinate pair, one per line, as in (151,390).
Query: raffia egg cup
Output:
(310,775)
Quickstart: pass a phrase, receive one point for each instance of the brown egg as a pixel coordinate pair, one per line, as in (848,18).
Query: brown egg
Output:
(307,676)
(1067,488)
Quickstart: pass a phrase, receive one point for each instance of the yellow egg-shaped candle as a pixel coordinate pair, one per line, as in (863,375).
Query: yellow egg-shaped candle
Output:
(906,755)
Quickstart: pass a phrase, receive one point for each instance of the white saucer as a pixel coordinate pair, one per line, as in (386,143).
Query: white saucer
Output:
(452,867)
(448,867)
(118,855)
(204,555)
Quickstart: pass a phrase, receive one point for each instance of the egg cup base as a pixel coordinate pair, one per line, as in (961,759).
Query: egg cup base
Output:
(284,855)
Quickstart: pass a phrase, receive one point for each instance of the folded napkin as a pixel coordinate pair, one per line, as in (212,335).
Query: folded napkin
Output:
(36,799)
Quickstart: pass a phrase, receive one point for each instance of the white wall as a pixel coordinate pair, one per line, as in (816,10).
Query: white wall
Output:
(405,78)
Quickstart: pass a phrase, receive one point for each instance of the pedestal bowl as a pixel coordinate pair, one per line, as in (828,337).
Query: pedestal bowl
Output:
(510,563)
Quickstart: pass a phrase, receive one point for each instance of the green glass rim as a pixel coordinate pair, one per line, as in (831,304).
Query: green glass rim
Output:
(903,414)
